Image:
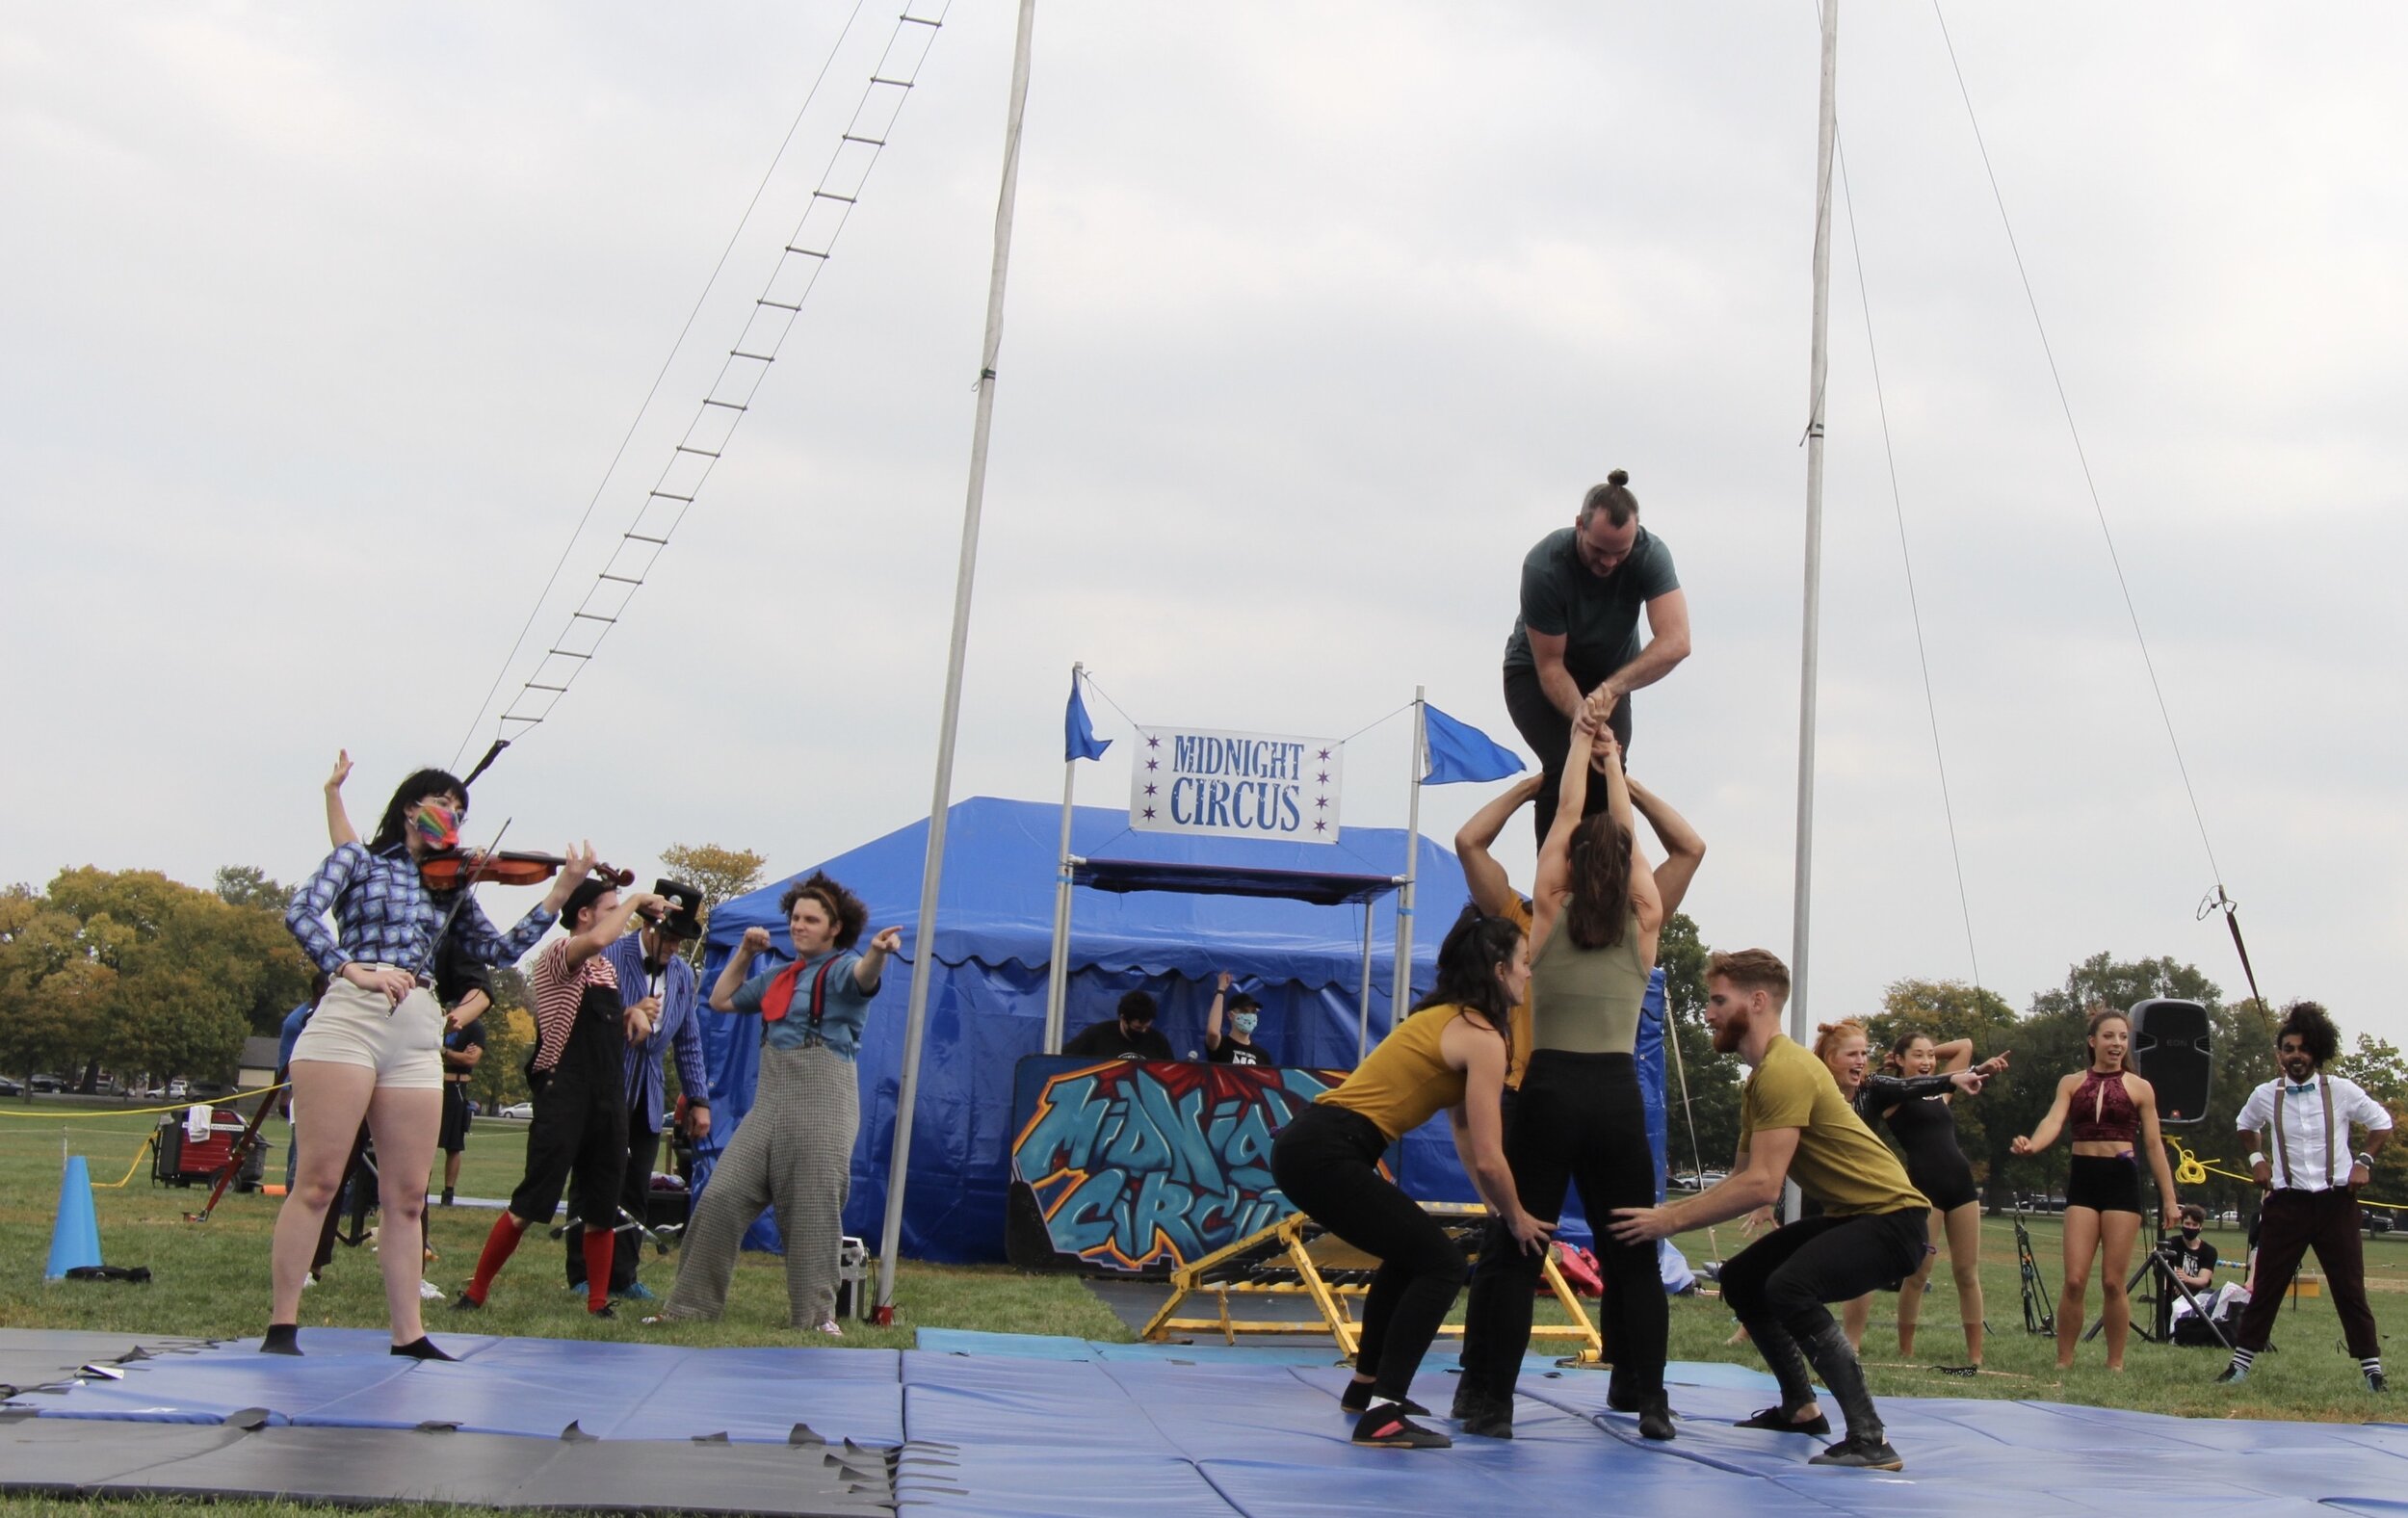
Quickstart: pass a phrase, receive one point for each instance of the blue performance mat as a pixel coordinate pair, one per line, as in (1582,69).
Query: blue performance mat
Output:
(987,1425)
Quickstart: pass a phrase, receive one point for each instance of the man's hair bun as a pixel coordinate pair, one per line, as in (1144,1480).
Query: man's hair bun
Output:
(1619,478)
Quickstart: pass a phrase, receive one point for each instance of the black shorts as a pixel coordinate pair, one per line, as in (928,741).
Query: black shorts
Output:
(2105,1183)
(454,1136)
(1949,1185)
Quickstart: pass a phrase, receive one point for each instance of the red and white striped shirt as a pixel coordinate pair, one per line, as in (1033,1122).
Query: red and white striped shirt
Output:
(559,990)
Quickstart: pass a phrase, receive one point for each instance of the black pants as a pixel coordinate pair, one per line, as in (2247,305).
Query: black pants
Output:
(634,1198)
(1325,1161)
(1549,733)
(580,1128)
(2291,1222)
(1778,1286)
(1578,1120)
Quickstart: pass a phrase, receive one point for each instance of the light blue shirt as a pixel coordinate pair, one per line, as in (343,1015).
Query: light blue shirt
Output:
(844,1008)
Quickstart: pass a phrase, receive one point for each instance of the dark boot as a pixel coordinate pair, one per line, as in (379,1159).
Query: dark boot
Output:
(1655,1418)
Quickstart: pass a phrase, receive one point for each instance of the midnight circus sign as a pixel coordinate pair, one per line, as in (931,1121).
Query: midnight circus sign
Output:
(1138,1164)
(1235,785)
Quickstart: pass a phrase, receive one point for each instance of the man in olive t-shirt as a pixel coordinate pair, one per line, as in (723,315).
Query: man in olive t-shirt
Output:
(1583,588)
(1794,1123)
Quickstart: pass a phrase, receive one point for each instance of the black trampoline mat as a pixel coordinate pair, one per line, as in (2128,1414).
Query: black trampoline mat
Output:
(101,1457)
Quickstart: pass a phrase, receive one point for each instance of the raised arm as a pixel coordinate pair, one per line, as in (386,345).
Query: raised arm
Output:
(1212,1014)
(1684,848)
(2046,1134)
(1957,1054)
(1667,644)
(339,828)
(738,969)
(1556,854)
(1491,890)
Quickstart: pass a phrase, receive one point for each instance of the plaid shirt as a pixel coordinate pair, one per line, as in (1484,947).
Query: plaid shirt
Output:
(386,915)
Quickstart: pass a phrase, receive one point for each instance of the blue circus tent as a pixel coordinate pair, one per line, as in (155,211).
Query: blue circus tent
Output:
(987,1008)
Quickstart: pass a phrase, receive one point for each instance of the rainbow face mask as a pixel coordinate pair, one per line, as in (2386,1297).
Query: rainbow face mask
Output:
(437,825)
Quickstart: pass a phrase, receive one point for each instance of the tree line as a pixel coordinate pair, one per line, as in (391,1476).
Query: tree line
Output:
(129,973)
(2046,1041)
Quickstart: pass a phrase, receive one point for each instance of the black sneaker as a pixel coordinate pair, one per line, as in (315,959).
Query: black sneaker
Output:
(603,1310)
(1655,1418)
(1468,1400)
(1356,1399)
(1864,1454)
(465,1303)
(1779,1420)
(1387,1428)
(2375,1381)
(2231,1375)
(1490,1417)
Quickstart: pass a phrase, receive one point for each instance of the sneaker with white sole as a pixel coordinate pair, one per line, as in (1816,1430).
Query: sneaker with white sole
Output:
(828,1327)
(428,1292)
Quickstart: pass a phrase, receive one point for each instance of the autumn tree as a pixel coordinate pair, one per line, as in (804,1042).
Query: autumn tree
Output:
(719,873)
(54,990)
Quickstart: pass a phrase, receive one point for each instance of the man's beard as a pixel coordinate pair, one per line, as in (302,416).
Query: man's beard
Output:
(1726,1039)
(2303,1071)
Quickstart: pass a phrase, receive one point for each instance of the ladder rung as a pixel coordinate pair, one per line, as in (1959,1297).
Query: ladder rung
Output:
(781,304)
(641,538)
(899,83)
(561,689)
(807,252)
(707,401)
(566,653)
(666,496)
(825,194)
(930,22)
(874,142)
(590,616)
(704,452)
(759,358)
(621,578)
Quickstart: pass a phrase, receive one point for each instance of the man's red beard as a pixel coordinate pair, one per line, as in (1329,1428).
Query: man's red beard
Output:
(1726,1039)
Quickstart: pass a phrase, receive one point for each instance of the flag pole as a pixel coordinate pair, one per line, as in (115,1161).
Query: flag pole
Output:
(1401,979)
(1058,968)
(932,872)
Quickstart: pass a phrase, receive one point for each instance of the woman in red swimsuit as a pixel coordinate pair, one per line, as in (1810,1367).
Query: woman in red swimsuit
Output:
(2113,1112)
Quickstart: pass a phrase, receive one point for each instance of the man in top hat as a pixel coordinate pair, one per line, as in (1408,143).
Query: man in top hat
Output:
(654,973)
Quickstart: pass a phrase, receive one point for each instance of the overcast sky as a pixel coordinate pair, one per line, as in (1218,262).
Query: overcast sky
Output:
(323,327)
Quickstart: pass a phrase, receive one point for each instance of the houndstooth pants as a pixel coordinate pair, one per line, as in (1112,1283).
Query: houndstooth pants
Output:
(793,1151)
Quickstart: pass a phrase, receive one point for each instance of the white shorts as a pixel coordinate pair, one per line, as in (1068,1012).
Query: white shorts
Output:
(399,1042)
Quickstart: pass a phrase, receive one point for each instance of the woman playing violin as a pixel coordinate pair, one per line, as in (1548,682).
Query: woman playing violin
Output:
(370,1049)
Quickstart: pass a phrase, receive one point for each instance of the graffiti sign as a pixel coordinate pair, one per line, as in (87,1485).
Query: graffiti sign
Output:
(1147,1166)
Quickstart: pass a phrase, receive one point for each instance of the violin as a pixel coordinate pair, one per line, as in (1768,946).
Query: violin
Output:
(454,868)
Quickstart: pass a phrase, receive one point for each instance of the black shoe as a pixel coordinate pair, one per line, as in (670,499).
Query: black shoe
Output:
(1491,1418)
(1468,1400)
(1866,1454)
(465,1303)
(1779,1420)
(1655,1418)
(447,1196)
(1356,1399)
(1387,1428)
(603,1310)
(2230,1375)
(2375,1381)
(1619,1401)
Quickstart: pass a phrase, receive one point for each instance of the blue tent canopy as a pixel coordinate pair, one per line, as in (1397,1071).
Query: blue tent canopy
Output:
(986,1006)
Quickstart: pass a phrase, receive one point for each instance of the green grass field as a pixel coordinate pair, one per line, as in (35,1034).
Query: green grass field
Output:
(211,1281)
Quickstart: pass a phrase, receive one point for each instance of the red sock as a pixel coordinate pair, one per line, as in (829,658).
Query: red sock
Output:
(600,1245)
(498,1246)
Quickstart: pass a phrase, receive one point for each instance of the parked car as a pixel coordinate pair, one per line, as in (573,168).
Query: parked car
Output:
(517,1111)
(9,1087)
(176,1088)
(48,1082)
(2378,1221)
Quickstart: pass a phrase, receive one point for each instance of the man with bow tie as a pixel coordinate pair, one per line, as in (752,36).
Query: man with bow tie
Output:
(2297,1125)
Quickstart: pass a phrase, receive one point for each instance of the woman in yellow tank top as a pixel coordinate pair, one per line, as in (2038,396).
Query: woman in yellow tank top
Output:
(1452,1053)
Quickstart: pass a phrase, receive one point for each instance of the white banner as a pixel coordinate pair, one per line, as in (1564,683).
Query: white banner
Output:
(1235,785)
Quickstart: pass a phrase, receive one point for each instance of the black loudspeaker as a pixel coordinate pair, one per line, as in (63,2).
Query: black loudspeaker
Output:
(2170,1051)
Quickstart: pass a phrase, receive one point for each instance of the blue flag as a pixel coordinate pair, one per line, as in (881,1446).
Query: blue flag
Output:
(1459,751)
(1078,734)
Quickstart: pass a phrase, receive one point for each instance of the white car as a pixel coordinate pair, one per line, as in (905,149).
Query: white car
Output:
(519,1112)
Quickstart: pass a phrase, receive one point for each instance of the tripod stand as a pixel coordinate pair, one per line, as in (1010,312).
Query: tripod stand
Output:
(2161,1276)
(2039,1313)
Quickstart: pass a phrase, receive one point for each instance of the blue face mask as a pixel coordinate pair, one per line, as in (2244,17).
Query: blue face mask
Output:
(1243,1022)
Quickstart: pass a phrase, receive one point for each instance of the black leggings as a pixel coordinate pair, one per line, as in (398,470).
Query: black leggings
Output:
(1549,733)
(1778,1285)
(1325,1161)
(1578,1120)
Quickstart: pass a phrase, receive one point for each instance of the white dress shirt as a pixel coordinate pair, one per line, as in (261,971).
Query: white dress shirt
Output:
(2298,1150)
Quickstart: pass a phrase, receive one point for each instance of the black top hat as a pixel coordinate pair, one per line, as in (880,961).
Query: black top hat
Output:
(685,912)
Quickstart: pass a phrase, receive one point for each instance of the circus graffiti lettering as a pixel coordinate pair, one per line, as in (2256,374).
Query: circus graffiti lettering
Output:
(1137,1166)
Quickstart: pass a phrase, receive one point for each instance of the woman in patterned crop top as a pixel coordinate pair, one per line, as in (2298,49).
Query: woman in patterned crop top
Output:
(2111,1111)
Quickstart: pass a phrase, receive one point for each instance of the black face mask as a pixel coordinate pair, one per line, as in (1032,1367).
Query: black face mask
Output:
(2190,1231)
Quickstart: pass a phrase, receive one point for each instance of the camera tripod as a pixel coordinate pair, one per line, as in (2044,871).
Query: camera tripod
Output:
(2161,1276)
(2039,1313)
